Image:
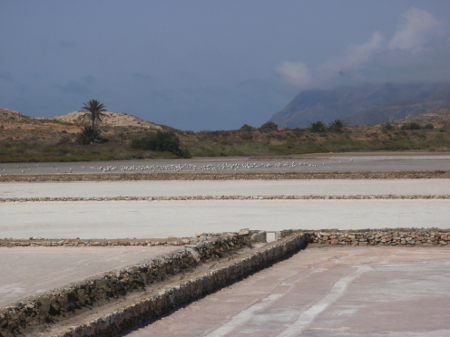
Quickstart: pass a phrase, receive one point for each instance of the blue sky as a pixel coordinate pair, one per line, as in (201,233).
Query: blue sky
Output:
(210,65)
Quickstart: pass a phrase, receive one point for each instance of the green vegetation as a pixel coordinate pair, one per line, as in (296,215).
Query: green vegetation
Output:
(388,127)
(138,143)
(268,127)
(89,135)
(160,141)
(93,116)
(94,112)
(318,126)
(411,126)
(247,127)
(337,125)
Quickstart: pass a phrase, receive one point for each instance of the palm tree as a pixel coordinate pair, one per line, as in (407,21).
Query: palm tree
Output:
(318,126)
(337,125)
(93,113)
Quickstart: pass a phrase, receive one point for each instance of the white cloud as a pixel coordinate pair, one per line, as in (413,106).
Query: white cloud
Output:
(295,73)
(417,28)
(355,56)
(418,50)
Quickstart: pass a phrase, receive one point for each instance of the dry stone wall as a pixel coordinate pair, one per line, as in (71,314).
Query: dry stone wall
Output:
(42,242)
(60,304)
(232,197)
(152,307)
(77,298)
(380,237)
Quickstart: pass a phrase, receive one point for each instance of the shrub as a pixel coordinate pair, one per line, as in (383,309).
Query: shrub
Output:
(318,126)
(246,128)
(428,126)
(90,135)
(411,126)
(246,136)
(388,127)
(337,125)
(160,141)
(268,127)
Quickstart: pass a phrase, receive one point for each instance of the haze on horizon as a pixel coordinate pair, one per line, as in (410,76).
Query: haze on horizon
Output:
(210,65)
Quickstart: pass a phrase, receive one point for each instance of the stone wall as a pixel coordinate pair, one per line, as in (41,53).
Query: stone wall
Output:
(171,241)
(155,305)
(377,237)
(77,298)
(59,304)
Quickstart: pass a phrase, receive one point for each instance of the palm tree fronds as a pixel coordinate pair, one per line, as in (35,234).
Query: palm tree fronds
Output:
(93,113)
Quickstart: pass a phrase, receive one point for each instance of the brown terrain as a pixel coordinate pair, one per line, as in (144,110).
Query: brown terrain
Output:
(15,126)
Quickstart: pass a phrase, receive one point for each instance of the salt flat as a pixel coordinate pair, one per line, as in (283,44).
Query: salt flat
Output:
(327,292)
(173,188)
(27,271)
(402,280)
(160,219)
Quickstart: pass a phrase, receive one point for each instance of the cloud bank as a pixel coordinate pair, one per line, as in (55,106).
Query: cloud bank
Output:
(418,50)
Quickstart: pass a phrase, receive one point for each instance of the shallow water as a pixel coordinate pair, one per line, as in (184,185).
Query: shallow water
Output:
(327,162)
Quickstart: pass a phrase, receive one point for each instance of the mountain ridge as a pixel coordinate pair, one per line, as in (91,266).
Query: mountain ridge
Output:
(358,105)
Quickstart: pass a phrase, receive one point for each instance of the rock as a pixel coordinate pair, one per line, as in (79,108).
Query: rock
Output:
(259,237)
(245,231)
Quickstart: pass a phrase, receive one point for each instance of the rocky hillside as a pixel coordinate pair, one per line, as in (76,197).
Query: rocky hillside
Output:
(440,118)
(365,104)
(399,110)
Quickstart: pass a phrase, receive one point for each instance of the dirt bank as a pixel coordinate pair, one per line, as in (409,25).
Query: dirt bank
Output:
(440,174)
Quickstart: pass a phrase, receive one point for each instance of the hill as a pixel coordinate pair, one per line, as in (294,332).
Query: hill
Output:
(364,104)
(11,116)
(25,139)
(440,118)
(110,119)
(16,126)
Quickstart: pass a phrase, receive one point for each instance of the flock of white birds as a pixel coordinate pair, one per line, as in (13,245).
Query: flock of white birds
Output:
(185,167)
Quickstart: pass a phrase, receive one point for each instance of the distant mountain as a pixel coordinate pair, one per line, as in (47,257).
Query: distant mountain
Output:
(399,110)
(364,104)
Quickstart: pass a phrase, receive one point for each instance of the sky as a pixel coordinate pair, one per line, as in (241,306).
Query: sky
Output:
(210,64)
